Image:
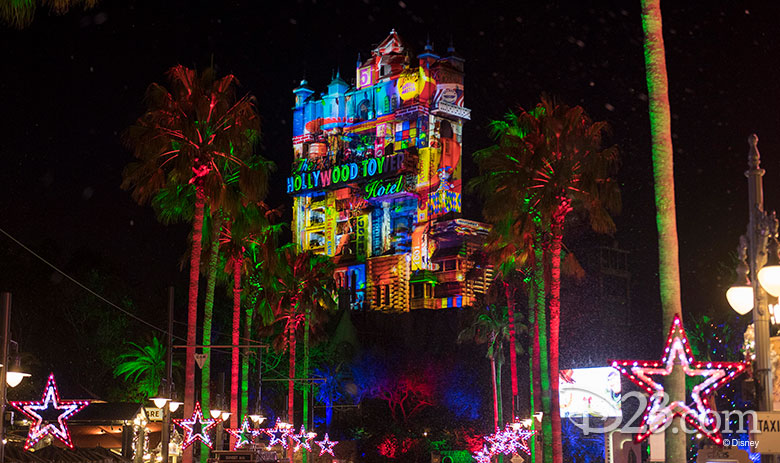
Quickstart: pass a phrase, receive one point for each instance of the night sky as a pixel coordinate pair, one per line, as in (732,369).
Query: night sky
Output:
(71,84)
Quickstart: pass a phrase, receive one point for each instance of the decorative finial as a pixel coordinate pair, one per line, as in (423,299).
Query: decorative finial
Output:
(451,48)
(359,61)
(754,158)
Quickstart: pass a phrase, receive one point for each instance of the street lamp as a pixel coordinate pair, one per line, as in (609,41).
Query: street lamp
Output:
(750,293)
(12,373)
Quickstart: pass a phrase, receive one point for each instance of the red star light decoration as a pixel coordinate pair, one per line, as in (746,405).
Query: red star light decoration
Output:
(244,435)
(698,413)
(303,439)
(50,415)
(326,445)
(196,428)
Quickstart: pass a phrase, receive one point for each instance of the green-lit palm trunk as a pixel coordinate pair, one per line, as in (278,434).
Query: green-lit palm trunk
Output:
(306,421)
(555,322)
(245,364)
(510,309)
(533,361)
(496,393)
(666,221)
(192,310)
(235,340)
(541,334)
(208,312)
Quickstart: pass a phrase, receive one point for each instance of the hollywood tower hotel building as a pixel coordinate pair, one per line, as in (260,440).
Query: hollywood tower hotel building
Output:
(376,182)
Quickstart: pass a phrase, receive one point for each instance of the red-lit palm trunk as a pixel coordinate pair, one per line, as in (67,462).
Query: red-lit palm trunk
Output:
(192,310)
(235,367)
(510,309)
(555,322)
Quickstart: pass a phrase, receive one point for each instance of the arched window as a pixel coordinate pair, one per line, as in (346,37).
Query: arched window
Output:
(363,108)
(445,130)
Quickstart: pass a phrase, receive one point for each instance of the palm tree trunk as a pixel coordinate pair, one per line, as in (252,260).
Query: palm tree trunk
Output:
(235,338)
(541,332)
(510,309)
(192,311)
(666,221)
(555,321)
(291,382)
(495,392)
(208,310)
(245,364)
(533,363)
(306,385)
(499,364)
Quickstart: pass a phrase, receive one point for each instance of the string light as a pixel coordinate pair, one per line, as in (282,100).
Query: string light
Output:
(245,434)
(303,439)
(49,404)
(699,414)
(326,445)
(278,434)
(508,441)
(196,428)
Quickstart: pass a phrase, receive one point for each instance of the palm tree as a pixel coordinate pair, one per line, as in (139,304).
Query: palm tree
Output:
(492,328)
(247,227)
(262,260)
(304,287)
(548,161)
(192,137)
(329,391)
(20,13)
(144,365)
(510,249)
(666,213)
(515,247)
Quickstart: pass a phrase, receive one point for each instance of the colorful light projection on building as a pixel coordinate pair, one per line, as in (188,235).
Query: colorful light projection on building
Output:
(341,174)
(376,164)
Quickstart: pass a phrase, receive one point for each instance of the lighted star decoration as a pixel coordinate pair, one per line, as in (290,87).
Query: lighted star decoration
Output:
(50,415)
(302,439)
(278,434)
(508,441)
(244,435)
(697,413)
(483,456)
(196,427)
(326,445)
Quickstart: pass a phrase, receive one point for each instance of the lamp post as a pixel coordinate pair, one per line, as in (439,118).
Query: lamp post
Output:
(751,292)
(11,374)
(164,399)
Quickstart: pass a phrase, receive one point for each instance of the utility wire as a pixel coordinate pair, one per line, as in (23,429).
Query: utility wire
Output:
(129,314)
(82,285)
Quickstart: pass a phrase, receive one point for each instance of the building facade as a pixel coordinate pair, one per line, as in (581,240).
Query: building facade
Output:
(376,182)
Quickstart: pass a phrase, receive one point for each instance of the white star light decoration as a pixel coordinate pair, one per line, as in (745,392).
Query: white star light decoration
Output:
(507,441)
(698,413)
(326,445)
(42,414)
(278,434)
(244,435)
(303,439)
(196,428)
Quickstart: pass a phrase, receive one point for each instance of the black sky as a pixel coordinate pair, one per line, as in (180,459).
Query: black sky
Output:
(72,83)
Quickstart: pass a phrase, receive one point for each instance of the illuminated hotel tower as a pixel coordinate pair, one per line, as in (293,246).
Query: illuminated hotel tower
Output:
(376,182)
